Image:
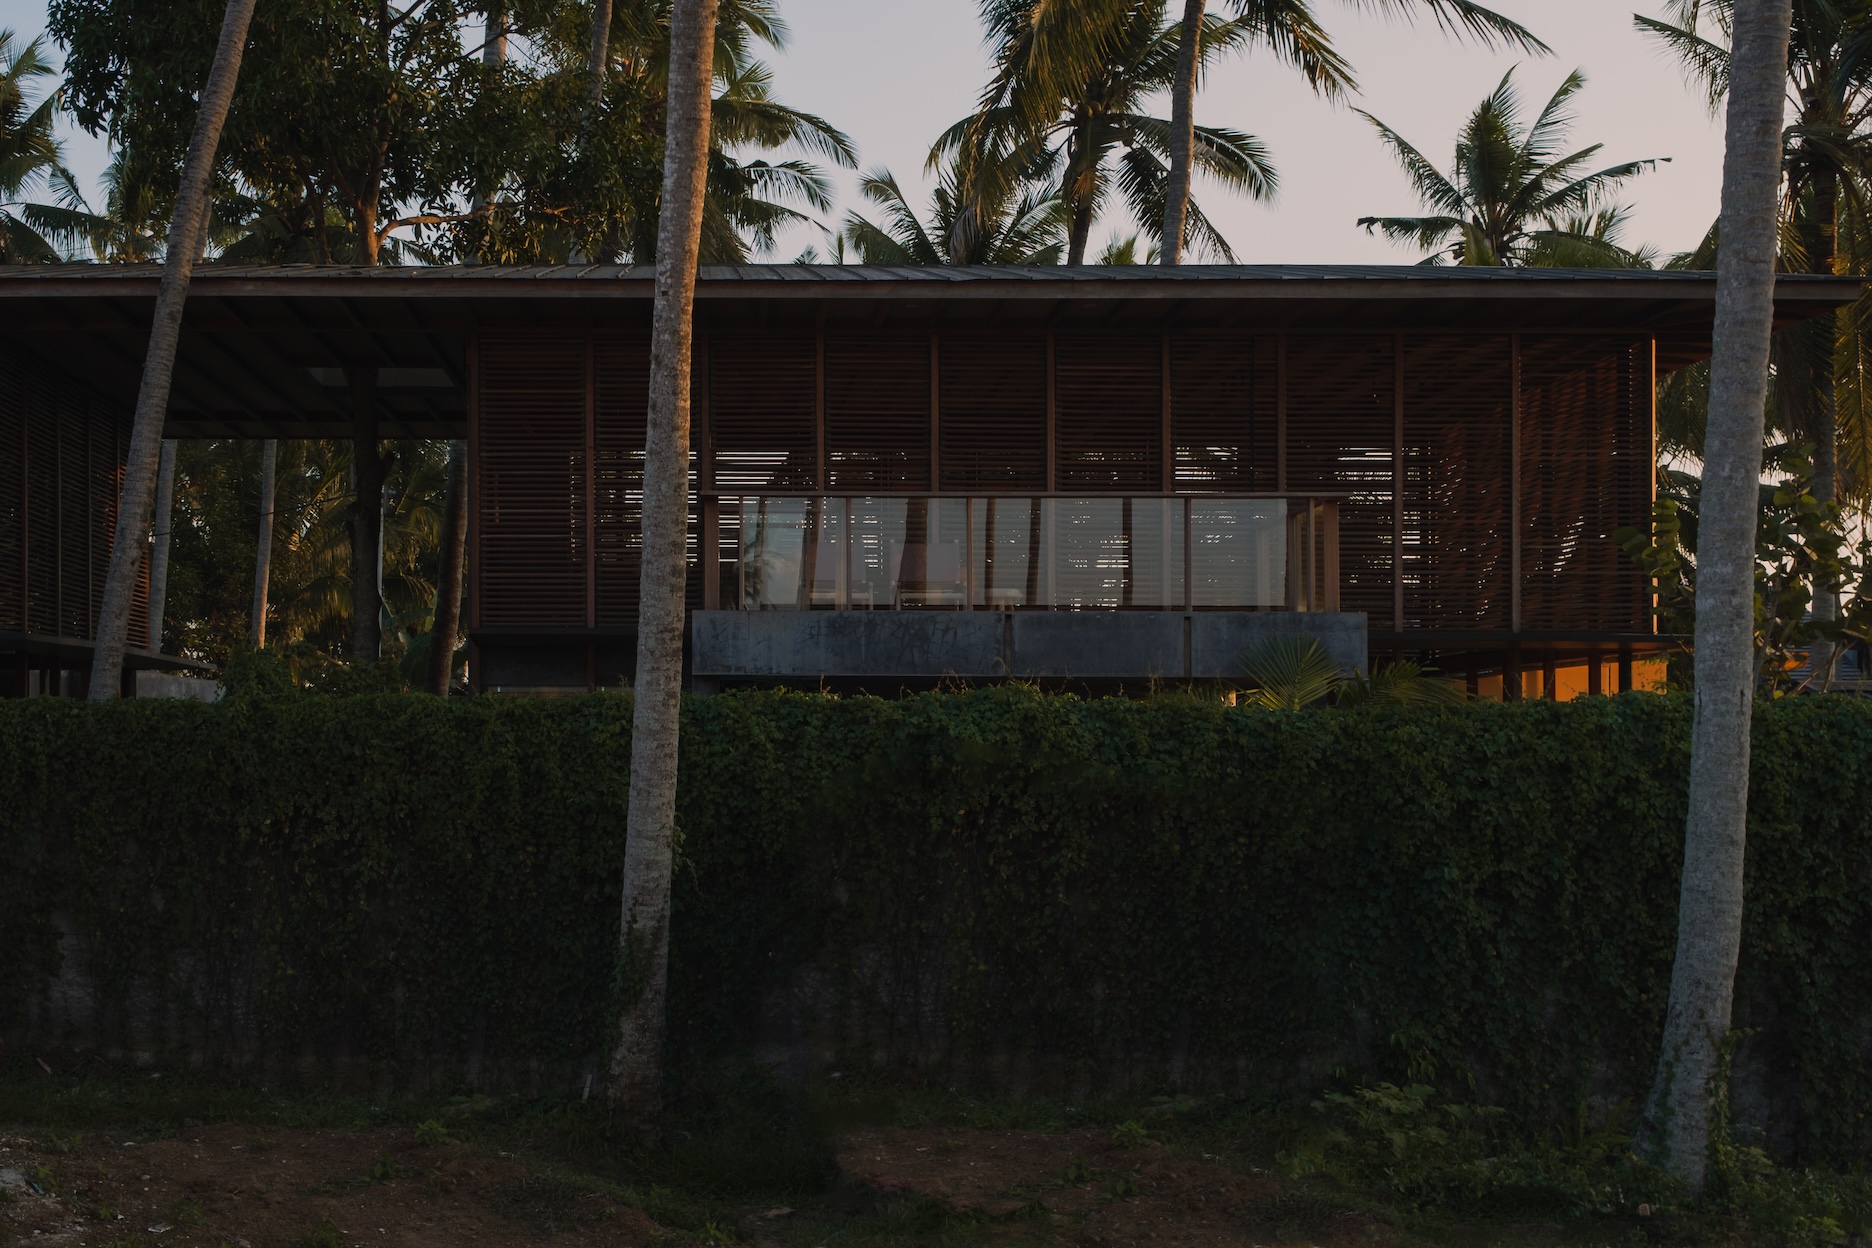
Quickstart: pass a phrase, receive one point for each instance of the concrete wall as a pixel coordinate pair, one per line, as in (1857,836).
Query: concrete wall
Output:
(164,685)
(1077,644)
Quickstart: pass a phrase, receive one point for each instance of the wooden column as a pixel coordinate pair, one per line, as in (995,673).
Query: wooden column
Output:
(1166,476)
(1397,483)
(471,608)
(1280,412)
(1052,437)
(1514,483)
(591,492)
(366,517)
(703,439)
(935,434)
(819,406)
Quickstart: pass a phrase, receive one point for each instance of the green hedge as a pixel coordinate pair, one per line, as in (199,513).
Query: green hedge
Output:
(997,884)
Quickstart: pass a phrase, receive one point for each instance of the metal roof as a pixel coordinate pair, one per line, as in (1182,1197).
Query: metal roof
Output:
(920,281)
(265,349)
(943,274)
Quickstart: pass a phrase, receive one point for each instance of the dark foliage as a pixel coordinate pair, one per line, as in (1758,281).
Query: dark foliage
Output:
(1165,893)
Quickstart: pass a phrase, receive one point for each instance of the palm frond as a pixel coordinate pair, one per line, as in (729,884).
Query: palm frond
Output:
(1459,17)
(1431,186)
(1705,63)
(1289,673)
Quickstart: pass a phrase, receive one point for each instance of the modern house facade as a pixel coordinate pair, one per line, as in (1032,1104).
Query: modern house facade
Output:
(903,476)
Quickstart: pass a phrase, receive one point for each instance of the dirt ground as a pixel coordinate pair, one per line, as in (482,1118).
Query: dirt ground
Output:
(278,1188)
(251,1187)
(1085,1189)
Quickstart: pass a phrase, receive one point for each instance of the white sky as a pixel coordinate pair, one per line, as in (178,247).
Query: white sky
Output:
(893,73)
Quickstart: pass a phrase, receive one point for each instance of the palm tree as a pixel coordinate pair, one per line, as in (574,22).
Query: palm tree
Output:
(1288,28)
(1823,392)
(1709,924)
(185,234)
(1511,198)
(636,1068)
(32,159)
(597,197)
(1066,109)
(1027,228)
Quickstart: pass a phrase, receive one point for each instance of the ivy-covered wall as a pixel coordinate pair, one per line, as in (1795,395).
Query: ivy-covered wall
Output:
(1000,885)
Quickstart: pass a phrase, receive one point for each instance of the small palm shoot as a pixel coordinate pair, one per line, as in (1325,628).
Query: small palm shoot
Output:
(1293,673)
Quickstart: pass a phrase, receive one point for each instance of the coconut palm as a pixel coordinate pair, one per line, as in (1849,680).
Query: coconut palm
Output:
(1067,109)
(1823,391)
(635,1082)
(597,197)
(1511,198)
(32,161)
(1024,228)
(1709,929)
(1289,30)
(185,232)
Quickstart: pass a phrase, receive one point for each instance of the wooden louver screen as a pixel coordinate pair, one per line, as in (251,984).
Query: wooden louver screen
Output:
(763,410)
(622,375)
(993,397)
(530,444)
(61,471)
(1221,440)
(877,412)
(1586,469)
(13,460)
(1457,534)
(1108,412)
(1341,426)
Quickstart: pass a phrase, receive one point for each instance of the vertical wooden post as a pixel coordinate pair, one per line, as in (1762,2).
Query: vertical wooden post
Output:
(1650,601)
(1280,412)
(1514,483)
(1550,678)
(1595,674)
(935,432)
(1166,475)
(591,490)
(1625,671)
(1397,484)
(819,406)
(703,423)
(1052,436)
(58,528)
(472,483)
(1189,554)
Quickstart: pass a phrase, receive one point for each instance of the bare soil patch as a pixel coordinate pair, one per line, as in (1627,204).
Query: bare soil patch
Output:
(1079,1187)
(277,1188)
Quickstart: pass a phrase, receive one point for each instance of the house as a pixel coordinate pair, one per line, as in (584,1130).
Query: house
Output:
(904,475)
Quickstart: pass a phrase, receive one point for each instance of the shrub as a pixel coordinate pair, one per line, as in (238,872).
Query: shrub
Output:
(1169,893)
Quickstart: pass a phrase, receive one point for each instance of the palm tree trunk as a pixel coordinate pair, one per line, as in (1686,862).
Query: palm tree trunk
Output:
(160,535)
(367,475)
(1081,233)
(263,545)
(1709,919)
(1826,411)
(636,1073)
(445,634)
(494,36)
(1182,133)
(599,57)
(186,230)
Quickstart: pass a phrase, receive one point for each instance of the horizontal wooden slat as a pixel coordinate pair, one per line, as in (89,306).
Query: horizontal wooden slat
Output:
(993,400)
(1341,423)
(1457,529)
(531,475)
(1108,412)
